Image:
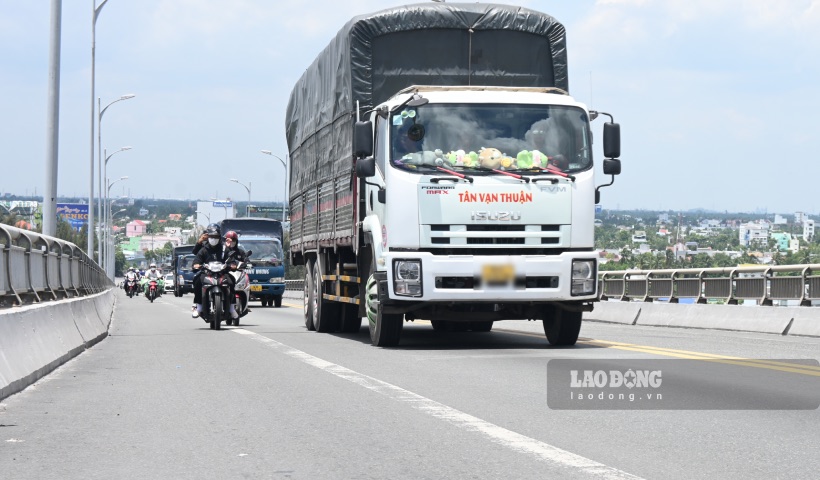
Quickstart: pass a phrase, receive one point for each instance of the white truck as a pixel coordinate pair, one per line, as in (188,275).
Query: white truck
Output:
(440,171)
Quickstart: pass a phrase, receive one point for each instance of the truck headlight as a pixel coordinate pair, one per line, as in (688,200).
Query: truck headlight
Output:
(181,280)
(583,277)
(407,277)
(277,280)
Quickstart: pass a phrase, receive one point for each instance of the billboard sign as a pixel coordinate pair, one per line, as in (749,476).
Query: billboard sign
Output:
(223,204)
(75,214)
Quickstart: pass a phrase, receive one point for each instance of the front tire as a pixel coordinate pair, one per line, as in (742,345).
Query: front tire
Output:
(277,301)
(385,328)
(562,327)
(217,317)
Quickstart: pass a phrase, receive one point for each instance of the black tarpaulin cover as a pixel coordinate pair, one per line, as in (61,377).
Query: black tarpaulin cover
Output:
(374,56)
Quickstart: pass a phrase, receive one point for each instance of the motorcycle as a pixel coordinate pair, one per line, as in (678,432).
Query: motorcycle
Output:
(152,292)
(242,290)
(131,287)
(215,288)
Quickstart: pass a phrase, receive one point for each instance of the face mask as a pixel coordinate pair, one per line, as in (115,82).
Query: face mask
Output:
(213,241)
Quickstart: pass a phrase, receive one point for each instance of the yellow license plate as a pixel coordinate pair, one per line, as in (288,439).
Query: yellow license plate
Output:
(256,288)
(497,273)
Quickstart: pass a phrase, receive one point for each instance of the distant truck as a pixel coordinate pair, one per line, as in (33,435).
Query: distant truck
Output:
(264,237)
(181,267)
(440,171)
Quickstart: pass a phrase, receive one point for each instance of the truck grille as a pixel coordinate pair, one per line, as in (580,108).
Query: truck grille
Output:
(494,236)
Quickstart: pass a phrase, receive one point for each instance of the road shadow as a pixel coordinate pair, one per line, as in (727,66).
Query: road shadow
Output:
(423,337)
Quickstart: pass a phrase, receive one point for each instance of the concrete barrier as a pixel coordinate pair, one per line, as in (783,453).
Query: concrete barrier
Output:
(723,317)
(803,321)
(615,312)
(36,339)
(806,322)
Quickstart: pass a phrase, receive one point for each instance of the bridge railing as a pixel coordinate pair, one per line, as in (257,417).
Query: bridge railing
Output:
(761,283)
(36,268)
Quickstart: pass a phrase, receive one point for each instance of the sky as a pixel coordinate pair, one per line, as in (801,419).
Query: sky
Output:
(716,100)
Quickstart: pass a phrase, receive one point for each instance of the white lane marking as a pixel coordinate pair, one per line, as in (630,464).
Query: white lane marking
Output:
(502,436)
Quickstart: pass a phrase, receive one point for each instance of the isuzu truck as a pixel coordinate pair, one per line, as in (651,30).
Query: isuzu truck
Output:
(440,171)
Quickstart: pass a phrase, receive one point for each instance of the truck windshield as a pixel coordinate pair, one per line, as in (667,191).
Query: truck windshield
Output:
(263,250)
(508,137)
(186,262)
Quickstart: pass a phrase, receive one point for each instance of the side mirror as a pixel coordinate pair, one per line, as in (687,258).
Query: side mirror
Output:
(612,140)
(363,139)
(366,167)
(612,166)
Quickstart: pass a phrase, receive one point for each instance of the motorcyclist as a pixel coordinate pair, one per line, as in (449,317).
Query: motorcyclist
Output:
(211,231)
(153,274)
(214,251)
(131,274)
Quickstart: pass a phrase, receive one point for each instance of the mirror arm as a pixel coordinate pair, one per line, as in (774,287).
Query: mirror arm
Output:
(598,192)
(594,114)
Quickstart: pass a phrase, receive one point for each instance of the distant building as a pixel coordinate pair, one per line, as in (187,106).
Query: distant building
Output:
(785,242)
(135,228)
(780,220)
(639,236)
(175,217)
(808,230)
(663,218)
(754,232)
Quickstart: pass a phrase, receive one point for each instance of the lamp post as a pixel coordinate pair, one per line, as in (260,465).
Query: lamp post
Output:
(111,250)
(108,220)
(105,166)
(284,164)
(206,215)
(95,12)
(99,148)
(248,188)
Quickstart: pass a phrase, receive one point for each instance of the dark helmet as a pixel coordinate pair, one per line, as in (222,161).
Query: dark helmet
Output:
(213,231)
(233,236)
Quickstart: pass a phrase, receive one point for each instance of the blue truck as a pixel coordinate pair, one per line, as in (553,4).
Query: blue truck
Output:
(265,238)
(181,264)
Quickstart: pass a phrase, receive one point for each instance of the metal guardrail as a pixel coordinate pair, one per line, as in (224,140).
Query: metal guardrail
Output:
(760,283)
(36,268)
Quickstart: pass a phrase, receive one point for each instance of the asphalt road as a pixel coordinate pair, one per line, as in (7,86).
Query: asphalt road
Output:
(165,397)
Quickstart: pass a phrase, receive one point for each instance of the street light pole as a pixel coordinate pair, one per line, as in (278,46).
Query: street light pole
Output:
(107,218)
(53,121)
(104,245)
(206,215)
(99,151)
(112,255)
(95,12)
(284,164)
(248,188)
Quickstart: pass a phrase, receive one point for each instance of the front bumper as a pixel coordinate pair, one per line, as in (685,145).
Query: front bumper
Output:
(259,290)
(457,278)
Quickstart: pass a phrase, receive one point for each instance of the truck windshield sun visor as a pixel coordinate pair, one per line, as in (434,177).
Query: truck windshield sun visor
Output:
(492,139)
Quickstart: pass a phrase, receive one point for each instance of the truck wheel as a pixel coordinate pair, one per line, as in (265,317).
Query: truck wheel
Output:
(350,321)
(385,328)
(326,313)
(277,301)
(308,296)
(562,326)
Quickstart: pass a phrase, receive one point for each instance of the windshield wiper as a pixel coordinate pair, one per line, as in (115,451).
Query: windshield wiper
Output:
(552,171)
(462,176)
(502,172)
